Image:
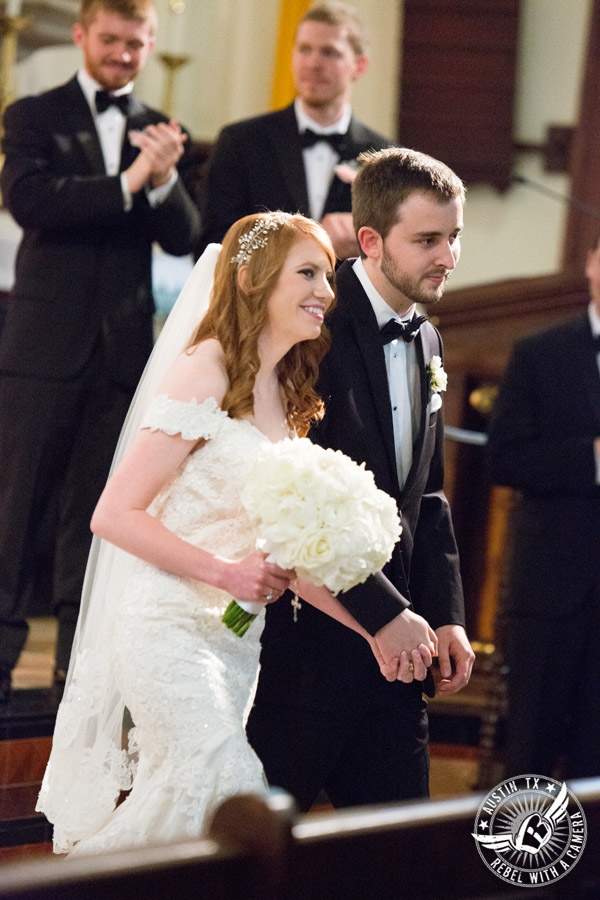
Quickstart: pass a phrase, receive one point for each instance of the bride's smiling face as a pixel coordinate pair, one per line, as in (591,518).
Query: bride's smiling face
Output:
(302,295)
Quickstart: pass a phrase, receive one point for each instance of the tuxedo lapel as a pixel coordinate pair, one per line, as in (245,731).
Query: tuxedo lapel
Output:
(364,326)
(358,139)
(337,198)
(427,344)
(137,120)
(82,125)
(419,438)
(286,149)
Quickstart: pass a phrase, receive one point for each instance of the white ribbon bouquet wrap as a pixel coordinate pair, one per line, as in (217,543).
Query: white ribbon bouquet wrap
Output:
(316,511)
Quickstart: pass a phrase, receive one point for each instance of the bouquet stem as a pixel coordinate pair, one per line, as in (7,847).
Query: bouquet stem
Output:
(237,619)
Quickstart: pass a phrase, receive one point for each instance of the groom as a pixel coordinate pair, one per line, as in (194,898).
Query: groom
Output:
(324,718)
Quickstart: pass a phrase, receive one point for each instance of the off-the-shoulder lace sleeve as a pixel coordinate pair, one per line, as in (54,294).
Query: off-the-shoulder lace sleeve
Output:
(191,419)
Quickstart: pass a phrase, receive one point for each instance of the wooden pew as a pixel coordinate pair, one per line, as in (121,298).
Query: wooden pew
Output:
(411,851)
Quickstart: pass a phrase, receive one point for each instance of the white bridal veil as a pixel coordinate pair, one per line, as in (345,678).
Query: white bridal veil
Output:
(92,759)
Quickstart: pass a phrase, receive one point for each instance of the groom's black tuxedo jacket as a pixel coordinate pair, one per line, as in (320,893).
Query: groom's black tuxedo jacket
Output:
(541,443)
(316,662)
(84,264)
(257,165)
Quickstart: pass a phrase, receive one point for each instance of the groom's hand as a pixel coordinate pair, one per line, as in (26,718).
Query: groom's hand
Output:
(406,640)
(454,647)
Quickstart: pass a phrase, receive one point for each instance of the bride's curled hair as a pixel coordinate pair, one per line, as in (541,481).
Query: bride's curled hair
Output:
(236,316)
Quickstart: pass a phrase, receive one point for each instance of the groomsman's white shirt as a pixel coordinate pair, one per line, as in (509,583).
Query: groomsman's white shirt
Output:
(321,159)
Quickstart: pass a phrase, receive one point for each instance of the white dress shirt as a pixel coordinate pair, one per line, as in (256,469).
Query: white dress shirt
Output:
(403,377)
(321,159)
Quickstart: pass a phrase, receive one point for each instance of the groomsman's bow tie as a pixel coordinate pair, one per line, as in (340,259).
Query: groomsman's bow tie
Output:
(104,99)
(408,331)
(308,138)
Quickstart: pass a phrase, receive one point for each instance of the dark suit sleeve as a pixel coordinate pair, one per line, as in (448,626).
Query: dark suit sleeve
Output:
(175,223)
(226,197)
(36,190)
(531,447)
(374,603)
(435,582)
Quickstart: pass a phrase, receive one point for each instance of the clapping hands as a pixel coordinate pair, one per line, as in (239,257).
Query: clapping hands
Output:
(161,147)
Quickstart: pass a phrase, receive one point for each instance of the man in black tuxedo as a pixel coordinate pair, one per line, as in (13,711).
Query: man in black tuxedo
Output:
(544,442)
(290,159)
(324,718)
(78,329)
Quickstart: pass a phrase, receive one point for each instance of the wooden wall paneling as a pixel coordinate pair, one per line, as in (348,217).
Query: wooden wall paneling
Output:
(583,229)
(458,83)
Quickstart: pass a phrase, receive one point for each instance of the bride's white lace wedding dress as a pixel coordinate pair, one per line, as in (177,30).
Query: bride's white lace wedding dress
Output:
(187,680)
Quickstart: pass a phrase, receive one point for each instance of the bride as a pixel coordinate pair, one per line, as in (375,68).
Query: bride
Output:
(173,545)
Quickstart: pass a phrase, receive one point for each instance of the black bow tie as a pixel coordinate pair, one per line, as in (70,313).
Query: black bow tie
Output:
(394,329)
(308,138)
(104,100)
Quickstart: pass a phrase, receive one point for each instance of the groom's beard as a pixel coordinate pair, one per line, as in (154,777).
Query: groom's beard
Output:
(413,288)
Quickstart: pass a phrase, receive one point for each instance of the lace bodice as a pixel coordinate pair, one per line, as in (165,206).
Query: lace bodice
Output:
(202,503)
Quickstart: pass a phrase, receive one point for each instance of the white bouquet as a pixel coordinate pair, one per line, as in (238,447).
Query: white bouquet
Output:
(320,513)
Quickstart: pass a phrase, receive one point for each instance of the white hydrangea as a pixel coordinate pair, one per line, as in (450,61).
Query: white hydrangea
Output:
(318,512)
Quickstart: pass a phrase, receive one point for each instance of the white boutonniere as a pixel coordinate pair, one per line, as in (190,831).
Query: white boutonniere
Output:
(438,381)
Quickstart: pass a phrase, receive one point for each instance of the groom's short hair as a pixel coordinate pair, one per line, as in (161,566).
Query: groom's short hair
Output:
(387,178)
(142,10)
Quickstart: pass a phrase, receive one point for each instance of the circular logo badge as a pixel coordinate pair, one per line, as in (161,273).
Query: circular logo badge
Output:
(530,830)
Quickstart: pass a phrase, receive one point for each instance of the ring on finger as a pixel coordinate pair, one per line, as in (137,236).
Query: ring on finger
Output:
(411,666)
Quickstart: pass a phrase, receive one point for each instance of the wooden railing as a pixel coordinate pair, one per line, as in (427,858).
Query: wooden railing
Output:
(421,851)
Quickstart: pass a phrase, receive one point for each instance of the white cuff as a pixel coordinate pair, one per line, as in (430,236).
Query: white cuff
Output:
(127,197)
(158,195)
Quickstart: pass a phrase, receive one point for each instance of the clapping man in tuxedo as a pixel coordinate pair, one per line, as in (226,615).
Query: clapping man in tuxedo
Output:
(324,718)
(289,159)
(544,442)
(78,329)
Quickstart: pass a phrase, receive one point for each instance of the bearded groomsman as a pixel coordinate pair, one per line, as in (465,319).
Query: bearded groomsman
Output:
(78,329)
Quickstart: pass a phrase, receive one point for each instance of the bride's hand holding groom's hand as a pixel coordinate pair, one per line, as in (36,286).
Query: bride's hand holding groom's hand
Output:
(405,647)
